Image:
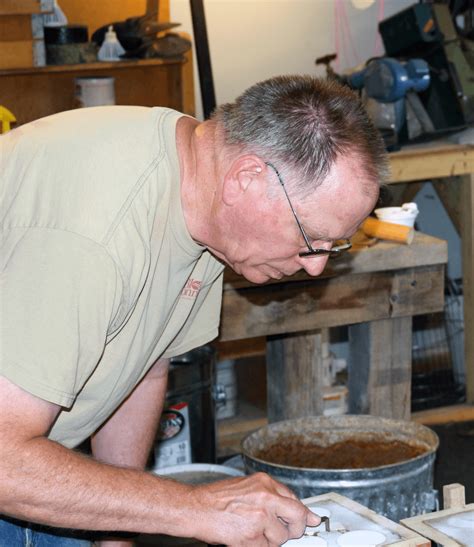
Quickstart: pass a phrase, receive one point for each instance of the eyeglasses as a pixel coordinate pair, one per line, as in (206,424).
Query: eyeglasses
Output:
(335,251)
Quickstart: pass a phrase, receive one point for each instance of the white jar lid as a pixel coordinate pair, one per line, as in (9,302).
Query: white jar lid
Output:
(361,538)
(307,541)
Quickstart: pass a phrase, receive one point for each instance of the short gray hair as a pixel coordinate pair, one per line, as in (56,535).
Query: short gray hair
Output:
(304,123)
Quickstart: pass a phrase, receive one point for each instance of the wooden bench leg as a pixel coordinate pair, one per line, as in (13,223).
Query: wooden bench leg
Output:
(380,368)
(294,376)
(467,238)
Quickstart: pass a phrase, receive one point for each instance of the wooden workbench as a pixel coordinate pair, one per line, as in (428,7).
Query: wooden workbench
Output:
(376,291)
(451,168)
(387,285)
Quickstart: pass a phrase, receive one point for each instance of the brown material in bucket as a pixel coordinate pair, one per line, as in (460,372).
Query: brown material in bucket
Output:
(351,454)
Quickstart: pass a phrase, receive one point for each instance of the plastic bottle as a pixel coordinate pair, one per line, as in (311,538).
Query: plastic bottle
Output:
(111,49)
(56,18)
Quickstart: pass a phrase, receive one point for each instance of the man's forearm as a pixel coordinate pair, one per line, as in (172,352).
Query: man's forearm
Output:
(47,483)
(127,437)
(44,482)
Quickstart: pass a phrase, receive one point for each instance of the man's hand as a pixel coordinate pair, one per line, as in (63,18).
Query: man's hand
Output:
(254,510)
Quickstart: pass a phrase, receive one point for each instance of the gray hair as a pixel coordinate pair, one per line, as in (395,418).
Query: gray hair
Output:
(304,124)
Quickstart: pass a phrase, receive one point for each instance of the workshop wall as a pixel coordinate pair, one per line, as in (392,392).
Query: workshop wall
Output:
(97,14)
(251,40)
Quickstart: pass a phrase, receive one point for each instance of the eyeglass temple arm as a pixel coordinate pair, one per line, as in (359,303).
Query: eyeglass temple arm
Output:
(303,233)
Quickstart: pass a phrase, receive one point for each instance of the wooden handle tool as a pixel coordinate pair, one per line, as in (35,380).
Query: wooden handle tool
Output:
(386,230)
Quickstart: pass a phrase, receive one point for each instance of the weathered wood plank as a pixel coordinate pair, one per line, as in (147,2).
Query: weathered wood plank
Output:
(317,303)
(380,368)
(449,192)
(294,376)
(467,237)
(444,414)
(385,255)
(424,162)
(454,496)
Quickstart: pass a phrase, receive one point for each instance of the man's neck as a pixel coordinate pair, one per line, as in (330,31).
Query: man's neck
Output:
(195,147)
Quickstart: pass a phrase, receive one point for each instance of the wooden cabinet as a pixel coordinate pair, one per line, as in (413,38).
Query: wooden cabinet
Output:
(33,93)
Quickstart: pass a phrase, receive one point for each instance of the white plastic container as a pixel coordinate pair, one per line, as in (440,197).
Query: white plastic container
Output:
(96,91)
(226,384)
(111,49)
(55,18)
(406,214)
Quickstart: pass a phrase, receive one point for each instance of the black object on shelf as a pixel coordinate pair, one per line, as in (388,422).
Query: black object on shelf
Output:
(68,45)
(67,34)
(206,81)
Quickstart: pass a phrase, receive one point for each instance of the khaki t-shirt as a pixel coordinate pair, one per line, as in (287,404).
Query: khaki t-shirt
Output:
(99,275)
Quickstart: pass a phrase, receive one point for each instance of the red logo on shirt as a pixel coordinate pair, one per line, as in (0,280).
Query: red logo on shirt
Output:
(191,289)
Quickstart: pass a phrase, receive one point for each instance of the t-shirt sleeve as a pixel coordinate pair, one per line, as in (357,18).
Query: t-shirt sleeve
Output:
(59,293)
(202,325)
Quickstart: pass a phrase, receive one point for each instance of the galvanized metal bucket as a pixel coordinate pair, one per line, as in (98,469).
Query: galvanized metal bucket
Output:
(396,491)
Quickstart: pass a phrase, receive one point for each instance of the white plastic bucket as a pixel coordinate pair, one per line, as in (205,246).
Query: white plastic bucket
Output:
(96,91)
(198,473)
(406,214)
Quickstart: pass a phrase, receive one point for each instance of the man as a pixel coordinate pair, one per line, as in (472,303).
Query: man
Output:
(107,215)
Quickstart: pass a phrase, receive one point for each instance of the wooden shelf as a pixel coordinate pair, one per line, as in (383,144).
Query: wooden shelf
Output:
(33,93)
(231,431)
(91,67)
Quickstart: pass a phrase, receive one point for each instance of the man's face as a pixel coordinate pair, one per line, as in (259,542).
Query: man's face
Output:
(266,241)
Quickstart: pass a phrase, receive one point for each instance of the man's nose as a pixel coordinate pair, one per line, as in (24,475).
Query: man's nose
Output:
(313,265)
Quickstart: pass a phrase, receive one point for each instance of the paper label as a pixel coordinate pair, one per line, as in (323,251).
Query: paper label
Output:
(173,442)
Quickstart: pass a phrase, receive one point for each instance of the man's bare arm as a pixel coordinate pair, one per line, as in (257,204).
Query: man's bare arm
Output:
(127,436)
(44,482)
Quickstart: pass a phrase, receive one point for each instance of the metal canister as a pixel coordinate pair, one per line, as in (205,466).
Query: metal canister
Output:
(188,424)
(396,491)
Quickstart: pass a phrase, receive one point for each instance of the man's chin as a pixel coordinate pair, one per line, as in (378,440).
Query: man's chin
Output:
(257,279)
(256,276)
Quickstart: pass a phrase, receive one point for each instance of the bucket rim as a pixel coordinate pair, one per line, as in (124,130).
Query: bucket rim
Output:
(206,467)
(367,418)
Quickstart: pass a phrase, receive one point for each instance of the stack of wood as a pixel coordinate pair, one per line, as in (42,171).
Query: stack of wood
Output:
(21,33)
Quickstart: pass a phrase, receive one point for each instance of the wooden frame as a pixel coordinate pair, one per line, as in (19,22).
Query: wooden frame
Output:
(454,502)
(384,285)
(409,538)
(454,165)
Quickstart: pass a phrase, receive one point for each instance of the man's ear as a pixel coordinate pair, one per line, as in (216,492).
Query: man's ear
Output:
(243,174)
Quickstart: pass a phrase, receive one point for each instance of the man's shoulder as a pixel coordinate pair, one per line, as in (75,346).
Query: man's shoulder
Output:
(82,169)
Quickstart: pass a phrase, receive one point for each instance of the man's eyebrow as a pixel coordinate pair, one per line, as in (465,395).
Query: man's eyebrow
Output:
(320,235)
